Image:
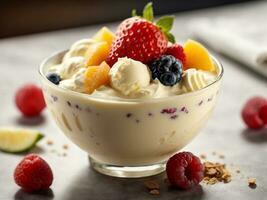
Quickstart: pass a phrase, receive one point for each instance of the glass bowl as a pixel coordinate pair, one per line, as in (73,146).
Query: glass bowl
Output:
(131,137)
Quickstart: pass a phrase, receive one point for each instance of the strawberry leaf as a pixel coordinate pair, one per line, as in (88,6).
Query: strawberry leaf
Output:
(148,12)
(134,13)
(170,37)
(165,23)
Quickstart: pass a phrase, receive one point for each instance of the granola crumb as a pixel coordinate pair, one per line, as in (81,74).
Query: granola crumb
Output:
(221,156)
(64,154)
(150,185)
(203,156)
(154,192)
(49,142)
(252,183)
(238,171)
(153,187)
(65,146)
(216,172)
(214,153)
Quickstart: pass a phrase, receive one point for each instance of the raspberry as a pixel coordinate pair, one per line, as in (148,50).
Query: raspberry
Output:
(29,100)
(184,170)
(250,112)
(33,174)
(263,113)
(177,51)
(138,39)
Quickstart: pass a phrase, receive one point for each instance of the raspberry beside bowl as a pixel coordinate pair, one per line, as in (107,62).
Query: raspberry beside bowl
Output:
(131,137)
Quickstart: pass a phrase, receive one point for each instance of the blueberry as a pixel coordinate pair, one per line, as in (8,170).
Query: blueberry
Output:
(168,78)
(54,78)
(167,69)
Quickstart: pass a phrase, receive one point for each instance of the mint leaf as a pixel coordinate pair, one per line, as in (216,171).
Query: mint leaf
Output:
(134,13)
(170,37)
(148,12)
(165,23)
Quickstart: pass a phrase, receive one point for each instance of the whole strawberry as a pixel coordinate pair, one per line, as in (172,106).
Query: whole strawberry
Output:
(140,39)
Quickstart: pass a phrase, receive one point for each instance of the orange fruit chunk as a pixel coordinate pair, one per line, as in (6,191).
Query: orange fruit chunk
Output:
(97,53)
(104,34)
(197,56)
(96,76)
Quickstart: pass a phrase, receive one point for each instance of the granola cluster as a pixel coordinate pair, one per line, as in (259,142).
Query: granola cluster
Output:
(216,172)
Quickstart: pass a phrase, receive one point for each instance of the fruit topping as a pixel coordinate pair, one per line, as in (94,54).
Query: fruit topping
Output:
(263,113)
(30,100)
(177,51)
(97,53)
(54,78)
(251,112)
(33,174)
(96,76)
(14,140)
(104,35)
(167,69)
(197,56)
(139,39)
(184,170)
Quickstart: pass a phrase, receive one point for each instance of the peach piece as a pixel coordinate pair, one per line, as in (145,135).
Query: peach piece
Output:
(97,53)
(104,34)
(96,76)
(197,56)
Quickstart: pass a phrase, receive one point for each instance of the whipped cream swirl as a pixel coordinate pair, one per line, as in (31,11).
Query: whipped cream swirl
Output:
(196,79)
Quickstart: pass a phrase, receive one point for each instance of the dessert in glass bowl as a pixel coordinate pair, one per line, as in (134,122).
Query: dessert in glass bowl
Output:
(134,98)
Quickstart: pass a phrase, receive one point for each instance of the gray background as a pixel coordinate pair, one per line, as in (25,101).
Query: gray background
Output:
(224,133)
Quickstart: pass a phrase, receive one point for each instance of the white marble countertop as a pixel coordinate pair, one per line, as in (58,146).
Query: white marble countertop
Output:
(225,132)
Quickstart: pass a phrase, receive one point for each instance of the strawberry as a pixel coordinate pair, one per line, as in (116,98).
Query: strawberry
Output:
(139,39)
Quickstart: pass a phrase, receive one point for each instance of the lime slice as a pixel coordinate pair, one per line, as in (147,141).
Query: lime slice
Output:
(15,140)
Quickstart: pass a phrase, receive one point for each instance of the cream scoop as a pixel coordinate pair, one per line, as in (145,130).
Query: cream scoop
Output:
(70,66)
(79,48)
(76,82)
(129,76)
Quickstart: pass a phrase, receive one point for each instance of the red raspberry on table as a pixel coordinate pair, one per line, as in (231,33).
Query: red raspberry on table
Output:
(33,174)
(184,170)
(30,100)
(263,113)
(177,51)
(251,112)
(138,39)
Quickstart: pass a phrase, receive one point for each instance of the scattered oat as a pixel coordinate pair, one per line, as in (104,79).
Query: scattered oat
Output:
(154,192)
(65,146)
(153,187)
(216,172)
(150,185)
(49,142)
(203,156)
(252,182)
